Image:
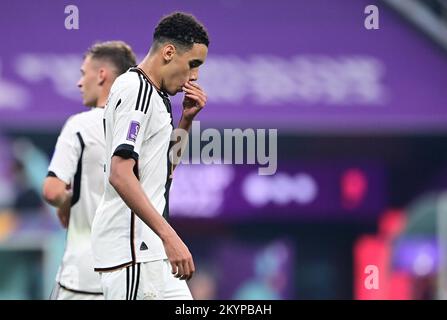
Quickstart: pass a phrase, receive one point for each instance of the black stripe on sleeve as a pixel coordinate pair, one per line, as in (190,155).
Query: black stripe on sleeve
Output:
(78,175)
(126,151)
(144,105)
(139,93)
(144,96)
(148,100)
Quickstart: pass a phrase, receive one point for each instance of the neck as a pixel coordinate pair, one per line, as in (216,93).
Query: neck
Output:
(102,99)
(149,65)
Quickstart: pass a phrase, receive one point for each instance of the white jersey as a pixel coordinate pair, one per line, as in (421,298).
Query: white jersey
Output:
(138,125)
(78,160)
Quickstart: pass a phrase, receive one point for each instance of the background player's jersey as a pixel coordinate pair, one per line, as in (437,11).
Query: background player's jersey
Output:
(78,160)
(138,125)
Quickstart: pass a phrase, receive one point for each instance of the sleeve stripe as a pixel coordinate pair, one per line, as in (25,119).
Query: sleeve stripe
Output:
(144,96)
(148,100)
(139,93)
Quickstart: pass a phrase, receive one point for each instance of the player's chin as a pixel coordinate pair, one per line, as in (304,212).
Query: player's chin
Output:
(173,92)
(89,103)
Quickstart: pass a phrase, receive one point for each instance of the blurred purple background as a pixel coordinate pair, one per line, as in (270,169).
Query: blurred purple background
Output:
(296,65)
(362,130)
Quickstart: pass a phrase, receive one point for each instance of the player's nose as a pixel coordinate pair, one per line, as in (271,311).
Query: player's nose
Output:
(194,75)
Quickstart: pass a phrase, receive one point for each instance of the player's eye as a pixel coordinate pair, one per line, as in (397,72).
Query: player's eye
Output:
(195,64)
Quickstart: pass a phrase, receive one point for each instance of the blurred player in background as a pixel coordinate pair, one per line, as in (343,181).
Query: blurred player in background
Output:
(74,184)
(138,254)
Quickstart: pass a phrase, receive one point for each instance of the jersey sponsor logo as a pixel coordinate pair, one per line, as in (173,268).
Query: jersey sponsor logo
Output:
(132,134)
(143,246)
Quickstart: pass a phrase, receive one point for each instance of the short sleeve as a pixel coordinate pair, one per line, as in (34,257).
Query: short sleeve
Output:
(131,119)
(67,152)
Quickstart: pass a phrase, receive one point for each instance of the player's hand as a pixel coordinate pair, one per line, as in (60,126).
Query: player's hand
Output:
(194,101)
(180,258)
(63,213)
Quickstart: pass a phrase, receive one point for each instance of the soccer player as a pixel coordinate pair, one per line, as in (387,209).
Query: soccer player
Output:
(75,176)
(138,254)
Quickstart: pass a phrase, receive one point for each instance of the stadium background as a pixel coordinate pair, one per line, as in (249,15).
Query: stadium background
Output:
(362,157)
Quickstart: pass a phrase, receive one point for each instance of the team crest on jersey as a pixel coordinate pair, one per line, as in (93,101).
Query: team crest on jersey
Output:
(132,133)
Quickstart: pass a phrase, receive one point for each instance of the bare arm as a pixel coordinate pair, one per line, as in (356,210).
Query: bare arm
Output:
(129,188)
(181,132)
(63,212)
(56,193)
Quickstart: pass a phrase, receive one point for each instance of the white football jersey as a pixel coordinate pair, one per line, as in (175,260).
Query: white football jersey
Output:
(138,125)
(78,160)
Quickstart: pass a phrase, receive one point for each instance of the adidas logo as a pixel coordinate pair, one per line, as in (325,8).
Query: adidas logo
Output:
(143,246)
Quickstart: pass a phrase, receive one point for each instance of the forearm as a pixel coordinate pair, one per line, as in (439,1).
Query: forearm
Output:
(130,190)
(66,200)
(181,132)
(55,192)
(185,123)
(60,199)
(63,212)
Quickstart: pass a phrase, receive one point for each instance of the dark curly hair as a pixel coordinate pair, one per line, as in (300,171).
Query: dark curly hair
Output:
(182,29)
(119,53)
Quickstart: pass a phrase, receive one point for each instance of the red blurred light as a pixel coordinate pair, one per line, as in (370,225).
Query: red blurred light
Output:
(354,186)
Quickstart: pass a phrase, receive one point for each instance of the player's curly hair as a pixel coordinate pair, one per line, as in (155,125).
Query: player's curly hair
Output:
(119,53)
(182,29)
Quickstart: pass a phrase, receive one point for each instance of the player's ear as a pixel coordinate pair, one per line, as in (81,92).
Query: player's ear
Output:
(102,75)
(168,52)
